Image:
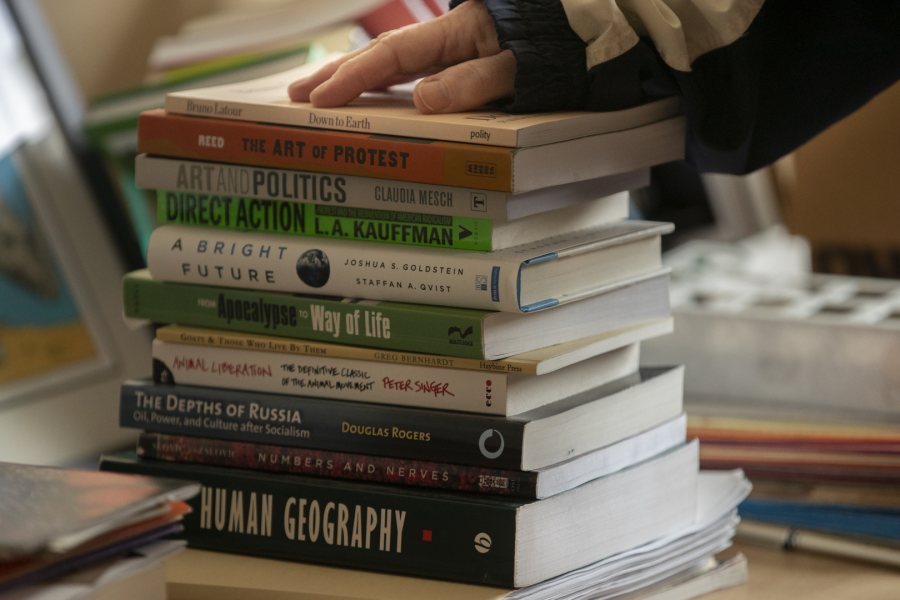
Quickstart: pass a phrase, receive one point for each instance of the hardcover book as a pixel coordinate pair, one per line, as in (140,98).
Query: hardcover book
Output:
(526,278)
(529,441)
(462,537)
(455,164)
(448,331)
(380,382)
(392,113)
(415,472)
(224,179)
(284,217)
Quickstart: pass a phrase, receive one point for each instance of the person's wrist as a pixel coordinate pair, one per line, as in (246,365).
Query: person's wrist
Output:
(550,57)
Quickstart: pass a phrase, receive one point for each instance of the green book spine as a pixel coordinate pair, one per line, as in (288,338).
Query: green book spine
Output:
(389,325)
(460,537)
(324,220)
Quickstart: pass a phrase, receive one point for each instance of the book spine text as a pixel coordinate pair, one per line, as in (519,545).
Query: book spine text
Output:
(181,334)
(353,525)
(329,377)
(379,325)
(223,179)
(336,465)
(241,213)
(334,268)
(479,131)
(323,424)
(248,143)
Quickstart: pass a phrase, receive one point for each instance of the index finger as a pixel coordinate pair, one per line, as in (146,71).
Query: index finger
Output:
(463,33)
(300,89)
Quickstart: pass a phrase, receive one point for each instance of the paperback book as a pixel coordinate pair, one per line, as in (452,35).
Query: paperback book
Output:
(448,331)
(526,278)
(284,217)
(330,189)
(536,362)
(529,441)
(336,464)
(392,112)
(462,537)
(676,567)
(51,509)
(59,521)
(457,164)
(425,386)
(137,574)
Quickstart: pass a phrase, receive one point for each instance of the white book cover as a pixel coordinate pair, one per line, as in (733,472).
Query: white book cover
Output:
(525,278)
(392,113)
(382,382)
(223,179)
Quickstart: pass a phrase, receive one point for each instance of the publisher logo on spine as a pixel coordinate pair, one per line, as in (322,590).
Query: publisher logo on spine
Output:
(483,543)
(459,336)
(481,169)
(491,443)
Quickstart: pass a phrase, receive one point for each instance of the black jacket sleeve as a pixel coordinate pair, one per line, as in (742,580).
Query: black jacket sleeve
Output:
(799,67)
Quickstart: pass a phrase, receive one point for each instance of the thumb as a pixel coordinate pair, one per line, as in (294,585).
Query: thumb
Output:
(467,85)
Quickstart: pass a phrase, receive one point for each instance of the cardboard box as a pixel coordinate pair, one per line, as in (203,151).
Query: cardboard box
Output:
(841,191)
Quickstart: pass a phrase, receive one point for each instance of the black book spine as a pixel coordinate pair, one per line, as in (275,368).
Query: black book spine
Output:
(326,424)
(458,537)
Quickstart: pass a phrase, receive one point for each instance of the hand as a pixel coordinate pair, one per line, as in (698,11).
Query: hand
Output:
(458,51)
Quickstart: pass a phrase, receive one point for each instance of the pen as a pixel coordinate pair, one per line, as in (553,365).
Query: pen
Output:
(792,538)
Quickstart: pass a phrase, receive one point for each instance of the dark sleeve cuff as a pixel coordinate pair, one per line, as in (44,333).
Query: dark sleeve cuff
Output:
(550,57)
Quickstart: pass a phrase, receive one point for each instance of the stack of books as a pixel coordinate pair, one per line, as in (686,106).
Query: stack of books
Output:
(791,379)
(476,413)
(67,533)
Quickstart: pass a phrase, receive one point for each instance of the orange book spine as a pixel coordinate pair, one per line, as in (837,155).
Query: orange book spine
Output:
(264,145)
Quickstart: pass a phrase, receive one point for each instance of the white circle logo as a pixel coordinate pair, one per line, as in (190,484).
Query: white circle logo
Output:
(488,435)
(482,543)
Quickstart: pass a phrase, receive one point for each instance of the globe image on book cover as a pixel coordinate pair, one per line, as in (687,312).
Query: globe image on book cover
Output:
(313,268)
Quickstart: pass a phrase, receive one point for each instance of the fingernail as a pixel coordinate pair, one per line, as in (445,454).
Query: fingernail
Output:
(296,90)
(433,95)
(293,95)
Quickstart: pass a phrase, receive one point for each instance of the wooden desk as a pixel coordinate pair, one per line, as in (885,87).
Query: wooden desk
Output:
(774,575)
(797,575)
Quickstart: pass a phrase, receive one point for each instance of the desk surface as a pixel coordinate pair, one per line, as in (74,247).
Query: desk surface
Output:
(797,575)
(774,575)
